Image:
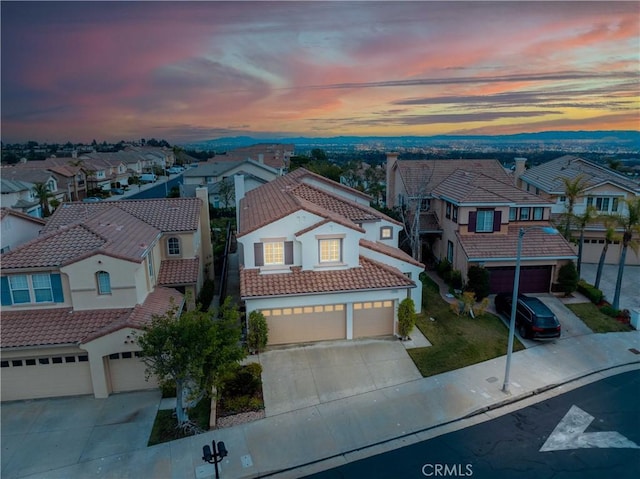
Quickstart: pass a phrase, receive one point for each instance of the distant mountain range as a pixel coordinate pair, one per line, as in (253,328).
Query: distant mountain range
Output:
(627,139)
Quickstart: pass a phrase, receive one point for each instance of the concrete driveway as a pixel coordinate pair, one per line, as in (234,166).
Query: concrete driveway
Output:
(48,434)
(302,376)
(629,297)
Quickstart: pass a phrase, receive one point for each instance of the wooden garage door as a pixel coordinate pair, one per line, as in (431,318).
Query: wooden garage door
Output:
(127,373)
(373,318)
(306,324)
(45,376)
(533,279)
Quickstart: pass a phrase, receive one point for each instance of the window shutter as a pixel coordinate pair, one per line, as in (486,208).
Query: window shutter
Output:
(6,293)
(288,252)
(56,288)
(473,216)
(497,220)
(258,254)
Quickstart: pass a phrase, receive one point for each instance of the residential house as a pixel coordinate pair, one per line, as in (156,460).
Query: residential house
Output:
(320,263)
(17,188)
(604,190)
(275,155)
(17,228)
(470,213)
(74,298)
(68,172)
(153,157)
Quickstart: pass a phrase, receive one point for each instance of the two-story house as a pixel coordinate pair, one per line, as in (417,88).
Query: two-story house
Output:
(469,212)
(603,189)
(17,228)
(320,263)
(74,298)
(18,189)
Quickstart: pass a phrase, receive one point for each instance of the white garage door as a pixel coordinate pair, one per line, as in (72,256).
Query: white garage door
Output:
(373,318)
(127,373)
(45,376)
(306,324)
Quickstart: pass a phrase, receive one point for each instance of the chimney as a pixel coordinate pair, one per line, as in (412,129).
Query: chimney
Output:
(392,158)
(205,231)
(74,154)
(519,171)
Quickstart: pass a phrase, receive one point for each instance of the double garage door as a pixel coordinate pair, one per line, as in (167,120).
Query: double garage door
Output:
(533,279)
(328,322)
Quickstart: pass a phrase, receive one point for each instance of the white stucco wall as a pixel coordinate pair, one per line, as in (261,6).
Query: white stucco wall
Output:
(16,231)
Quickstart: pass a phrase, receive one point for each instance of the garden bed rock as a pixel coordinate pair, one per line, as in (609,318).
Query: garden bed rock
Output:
(237,419)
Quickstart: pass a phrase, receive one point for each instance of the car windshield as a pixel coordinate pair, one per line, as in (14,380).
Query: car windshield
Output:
(546,322)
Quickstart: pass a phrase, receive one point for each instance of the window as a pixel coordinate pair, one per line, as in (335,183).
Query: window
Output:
(386,232)
(42,288)
(614,206)
(513,214)
(19,288)
(525,214)
(104,282)
(602,204)
(450,252)
(537,213)
(447,210)
(173,246)
(273,253)
(484,221)
(6,249)
(425,204)
(330,250)
(454,214)
(563,199)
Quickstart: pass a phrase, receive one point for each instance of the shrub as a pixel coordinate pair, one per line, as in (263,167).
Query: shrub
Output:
(443,268)
(568,278)
(594,294)
(206,295)
(240,381)
(480,309)
(468,299)
(406,317)
(610,311)
(455,279)
(478,281)
(258,334)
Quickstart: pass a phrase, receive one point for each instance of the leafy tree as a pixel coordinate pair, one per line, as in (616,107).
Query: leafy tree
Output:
(478,281)
(189,348)
(406,317)
(77,166)
(258,334)
(568,278)
(573,189)
(318,154)
(226,189)
(41,190)
(631,227)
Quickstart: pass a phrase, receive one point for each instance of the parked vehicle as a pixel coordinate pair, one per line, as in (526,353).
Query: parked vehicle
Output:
(92,199)
(175,169)
(533,318)
(117,191)
(148,178)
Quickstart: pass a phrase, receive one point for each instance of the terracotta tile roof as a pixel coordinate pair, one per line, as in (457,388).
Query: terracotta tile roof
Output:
(4,212)
(288,194)
(112,231)
(466,187)
(370,275)
(420,177)
(179,271)
(42,327)
(536,244)
(548,176)
(390,251)
(165,214)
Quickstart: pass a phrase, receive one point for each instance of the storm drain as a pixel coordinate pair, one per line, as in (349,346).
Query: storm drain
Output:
(634,350)
(492,379)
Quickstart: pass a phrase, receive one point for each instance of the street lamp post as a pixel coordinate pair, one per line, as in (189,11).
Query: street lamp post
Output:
(514,299)
(219,452)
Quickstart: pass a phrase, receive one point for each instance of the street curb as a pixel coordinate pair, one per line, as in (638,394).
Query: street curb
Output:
(492,407)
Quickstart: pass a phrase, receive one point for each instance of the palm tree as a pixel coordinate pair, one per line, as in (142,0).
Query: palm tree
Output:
(573,189)
(631,226)
(610,237)
(590,213)
(41,190)
(76,164)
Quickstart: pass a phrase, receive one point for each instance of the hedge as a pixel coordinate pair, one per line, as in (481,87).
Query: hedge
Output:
(594,294)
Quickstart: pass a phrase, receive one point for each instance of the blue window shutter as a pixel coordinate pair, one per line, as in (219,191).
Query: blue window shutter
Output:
(6,293)
(56,287)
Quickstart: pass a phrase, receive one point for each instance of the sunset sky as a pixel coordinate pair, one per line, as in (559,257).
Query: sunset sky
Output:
(192,71)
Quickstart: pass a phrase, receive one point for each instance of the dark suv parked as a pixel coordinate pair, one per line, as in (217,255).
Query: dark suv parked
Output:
(533,319)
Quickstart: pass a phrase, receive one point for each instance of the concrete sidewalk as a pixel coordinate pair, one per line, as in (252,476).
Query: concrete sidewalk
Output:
(335,432)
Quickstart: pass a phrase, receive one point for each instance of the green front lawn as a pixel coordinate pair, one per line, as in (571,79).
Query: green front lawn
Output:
(165,425)
(457,341)
(597,321)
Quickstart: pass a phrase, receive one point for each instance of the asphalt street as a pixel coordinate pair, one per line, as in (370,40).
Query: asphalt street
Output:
(590,432)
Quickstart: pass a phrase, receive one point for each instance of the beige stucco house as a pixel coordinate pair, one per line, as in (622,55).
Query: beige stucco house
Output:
(604,190)
(470,213)
(74,298)
(320,263)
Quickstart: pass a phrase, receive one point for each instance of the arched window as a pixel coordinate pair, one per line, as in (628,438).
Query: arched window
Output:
(173,246)
(104,282)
